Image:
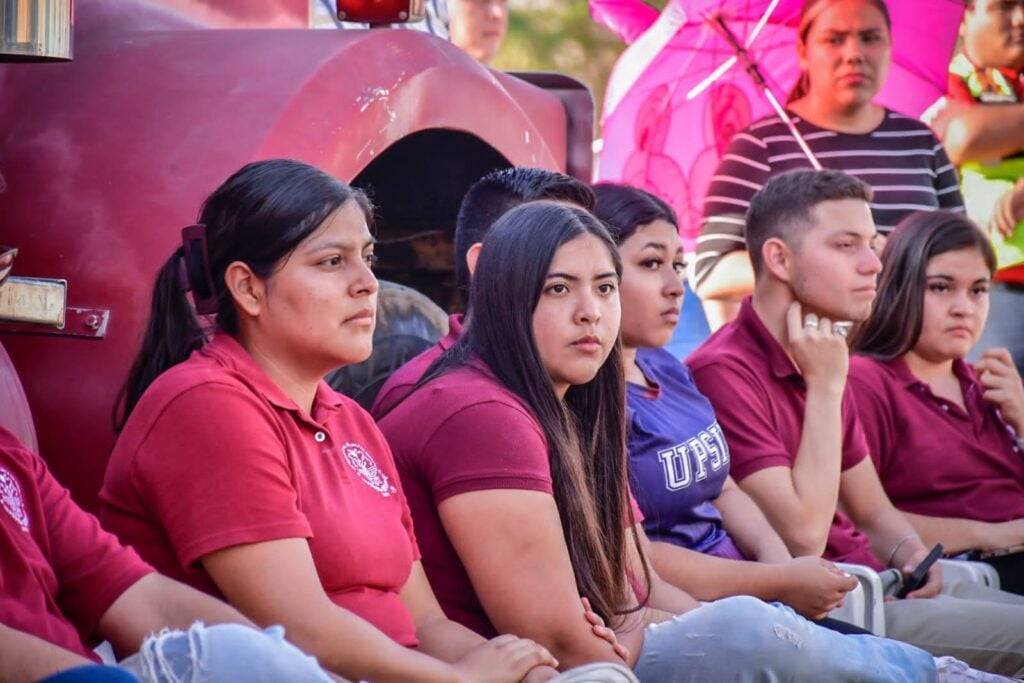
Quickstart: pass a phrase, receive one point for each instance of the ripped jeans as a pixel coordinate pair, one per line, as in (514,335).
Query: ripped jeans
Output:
(226,653)
(745,639)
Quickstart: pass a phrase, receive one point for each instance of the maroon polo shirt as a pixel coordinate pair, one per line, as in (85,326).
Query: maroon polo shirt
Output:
(215,455)
(933,457)
(59,571)
(759,398)
(405,378)
(460,432)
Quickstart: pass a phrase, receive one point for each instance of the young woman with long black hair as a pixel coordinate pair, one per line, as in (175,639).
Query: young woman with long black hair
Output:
(512,451)
(239,471)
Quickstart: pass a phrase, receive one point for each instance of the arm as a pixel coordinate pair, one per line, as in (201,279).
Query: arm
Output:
(985,132)
(452,642)
(722,270)
(439,636)
(27,658)
(800,501)
(810,585)
(342,641)
(747,525)
(665,596)
(893,538)
(510,541)
(958,535)
(155,602)
(1002,386)
(731,277)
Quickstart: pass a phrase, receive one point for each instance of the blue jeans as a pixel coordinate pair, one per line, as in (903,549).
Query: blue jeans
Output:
(745,639)
(92,673)
(227,653)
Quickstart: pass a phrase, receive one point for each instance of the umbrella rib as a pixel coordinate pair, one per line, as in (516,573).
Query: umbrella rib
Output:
(711,78)
(761,23)
(728,64)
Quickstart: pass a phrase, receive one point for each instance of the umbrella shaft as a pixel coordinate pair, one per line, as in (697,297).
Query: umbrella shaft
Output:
(718,23)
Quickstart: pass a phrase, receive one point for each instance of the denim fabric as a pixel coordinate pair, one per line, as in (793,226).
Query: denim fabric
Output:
(92,673)
(745,639)
(226,653)
(596,673)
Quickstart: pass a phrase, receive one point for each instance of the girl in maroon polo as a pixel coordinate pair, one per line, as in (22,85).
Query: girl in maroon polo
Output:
(946,438)
(239,471)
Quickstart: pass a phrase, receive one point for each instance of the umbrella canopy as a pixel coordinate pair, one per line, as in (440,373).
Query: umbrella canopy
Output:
(678,93)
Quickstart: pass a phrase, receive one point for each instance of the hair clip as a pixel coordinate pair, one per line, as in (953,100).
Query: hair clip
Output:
(196,262)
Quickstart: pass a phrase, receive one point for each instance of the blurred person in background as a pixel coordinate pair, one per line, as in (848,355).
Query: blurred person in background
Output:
(478,26)
(981,122)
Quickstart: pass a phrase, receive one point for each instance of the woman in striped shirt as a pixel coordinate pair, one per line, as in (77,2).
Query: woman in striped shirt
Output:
(844,50)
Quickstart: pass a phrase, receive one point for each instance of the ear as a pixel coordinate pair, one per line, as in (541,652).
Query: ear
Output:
(777,259)
(248,290)
(472,254)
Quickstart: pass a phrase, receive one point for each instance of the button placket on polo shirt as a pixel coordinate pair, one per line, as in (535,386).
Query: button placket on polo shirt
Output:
(325,445)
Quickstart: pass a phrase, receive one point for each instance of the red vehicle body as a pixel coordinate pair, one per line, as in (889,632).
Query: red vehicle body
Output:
(106,157)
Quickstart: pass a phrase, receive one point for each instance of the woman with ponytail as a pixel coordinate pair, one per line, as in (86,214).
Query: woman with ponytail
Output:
(240,472)
(844,48)
(512,448)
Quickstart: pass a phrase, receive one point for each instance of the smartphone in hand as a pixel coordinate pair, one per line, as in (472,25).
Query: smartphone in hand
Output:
(920,573)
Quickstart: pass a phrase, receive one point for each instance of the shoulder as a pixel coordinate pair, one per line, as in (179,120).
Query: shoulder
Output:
(661,363)
(402,380)
(751,141)
(458,398)
(901,123)
(725,349)
(192,398)
(869,375)
(193,388)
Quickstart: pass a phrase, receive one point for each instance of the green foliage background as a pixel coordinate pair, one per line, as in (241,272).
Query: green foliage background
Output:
(560,35)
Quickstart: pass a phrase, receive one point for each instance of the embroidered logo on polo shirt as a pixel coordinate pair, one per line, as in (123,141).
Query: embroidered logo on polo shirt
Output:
(10,497)
(363,464)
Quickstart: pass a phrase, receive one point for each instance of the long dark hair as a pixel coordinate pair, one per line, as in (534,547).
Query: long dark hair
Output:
(808,14)
(585,432)
(257,216)
(897,316)
(623,209)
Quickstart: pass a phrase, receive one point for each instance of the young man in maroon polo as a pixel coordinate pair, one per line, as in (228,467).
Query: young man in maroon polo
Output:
(776,377)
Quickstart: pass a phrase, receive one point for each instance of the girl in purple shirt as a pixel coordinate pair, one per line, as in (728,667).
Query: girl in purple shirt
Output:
(703,526)
(946,438)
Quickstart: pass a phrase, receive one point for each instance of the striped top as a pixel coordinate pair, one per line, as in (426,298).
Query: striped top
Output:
(902,160)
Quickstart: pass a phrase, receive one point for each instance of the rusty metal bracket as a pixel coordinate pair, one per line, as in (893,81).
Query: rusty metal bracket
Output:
(30,305)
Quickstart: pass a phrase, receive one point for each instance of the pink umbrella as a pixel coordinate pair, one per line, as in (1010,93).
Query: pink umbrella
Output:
(682,89)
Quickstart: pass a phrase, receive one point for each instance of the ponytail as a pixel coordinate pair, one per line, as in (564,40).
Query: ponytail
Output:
(257,217)
(172,334)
